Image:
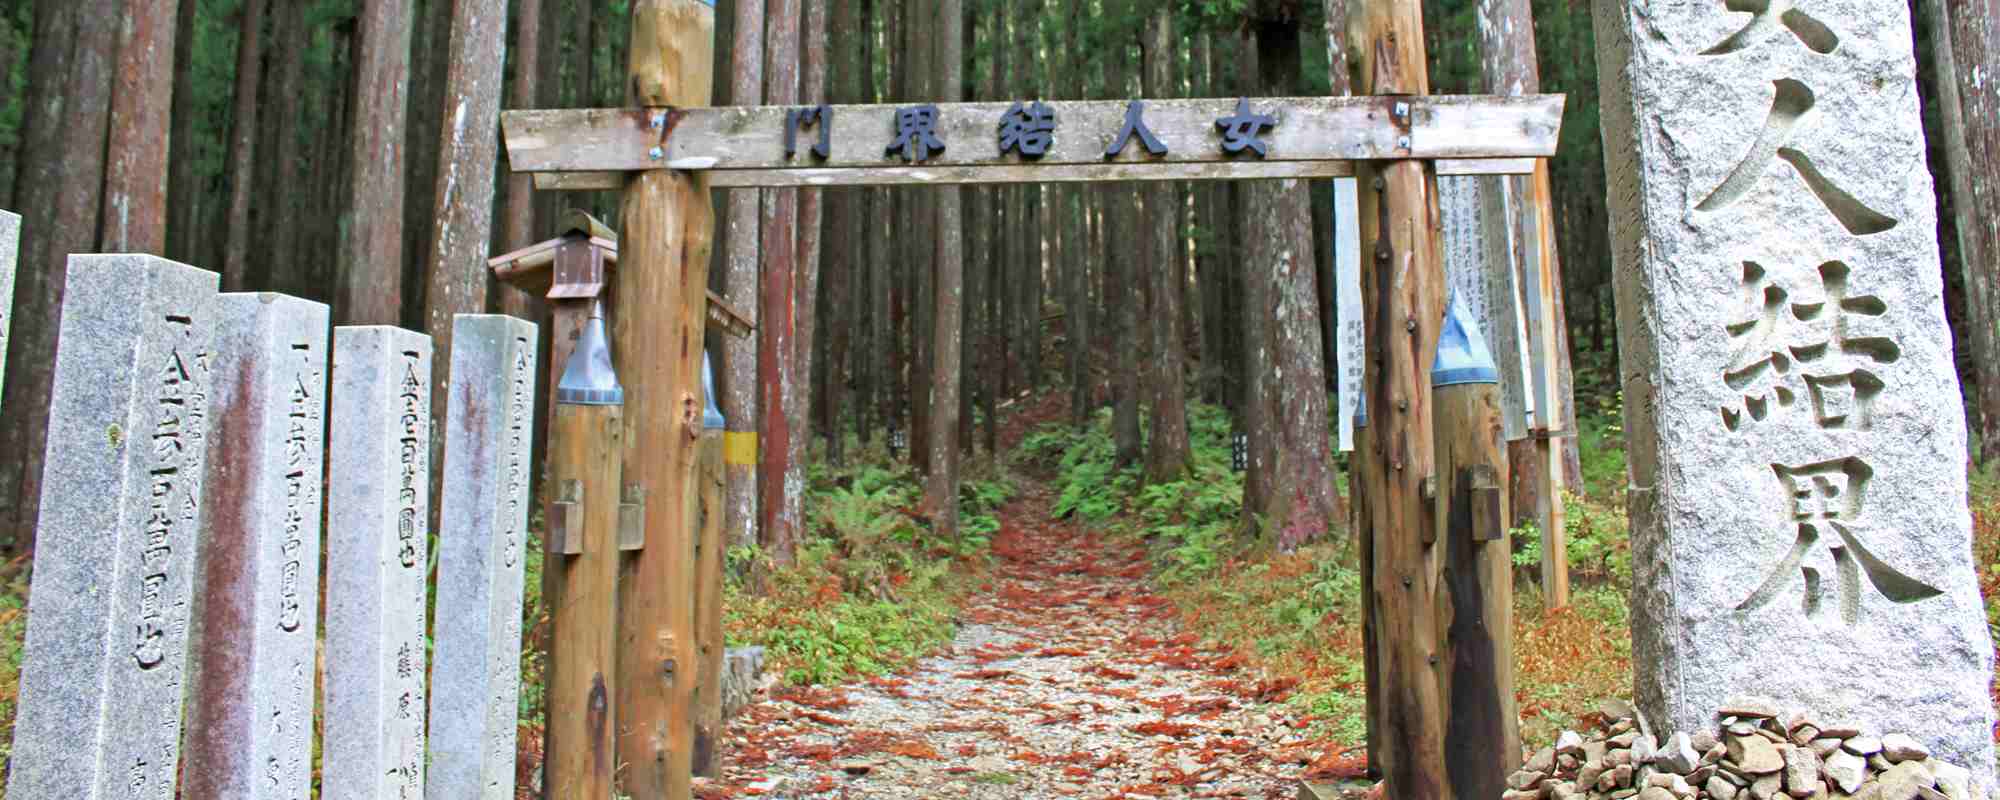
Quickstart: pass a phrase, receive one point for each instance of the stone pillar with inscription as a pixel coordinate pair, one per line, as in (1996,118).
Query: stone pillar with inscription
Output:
(10,242)
(482,543)
(104,669)
(377,557)
(1800,532)
(255,654)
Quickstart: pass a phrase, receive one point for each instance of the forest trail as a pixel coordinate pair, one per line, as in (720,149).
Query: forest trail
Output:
(1069,677)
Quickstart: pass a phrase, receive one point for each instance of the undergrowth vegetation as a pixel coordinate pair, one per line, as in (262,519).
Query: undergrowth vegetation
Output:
(1298,615)
(872,587)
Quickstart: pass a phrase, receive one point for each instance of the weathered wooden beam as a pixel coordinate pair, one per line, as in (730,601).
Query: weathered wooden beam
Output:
(665,251)
(1028,173)
(1309,129)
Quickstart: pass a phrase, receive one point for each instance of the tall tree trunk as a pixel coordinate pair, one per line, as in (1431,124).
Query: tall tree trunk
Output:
(142,102)
(1077,307)
(243,145)
(518,227)
(980,233)
(805,286)
(281,269)
(1298,499)
(468,149)
(1507,66)
(426,112)
(1254,203)
(1167,456)
(370,273)
(184,192)
(1966,39)
(778,320)
(740,394)
(923,216)
(61,188)
(941,490)
(844,83)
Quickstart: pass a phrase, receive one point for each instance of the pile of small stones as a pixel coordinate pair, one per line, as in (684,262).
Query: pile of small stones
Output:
(1756,756)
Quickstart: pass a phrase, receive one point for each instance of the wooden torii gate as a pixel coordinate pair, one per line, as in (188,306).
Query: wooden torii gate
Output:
(669,148)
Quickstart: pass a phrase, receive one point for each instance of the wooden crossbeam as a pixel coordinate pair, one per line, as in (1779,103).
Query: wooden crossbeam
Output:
(1027,173)
(1309,129)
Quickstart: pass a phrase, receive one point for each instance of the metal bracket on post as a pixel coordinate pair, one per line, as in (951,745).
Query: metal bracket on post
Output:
(566,520)
(1482,483)
(632,519)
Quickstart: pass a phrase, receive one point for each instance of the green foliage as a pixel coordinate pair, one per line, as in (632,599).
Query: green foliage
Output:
(1195,524)
(873,586)
(851,636)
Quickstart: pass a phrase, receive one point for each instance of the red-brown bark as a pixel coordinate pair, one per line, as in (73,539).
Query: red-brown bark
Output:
(467,155)
(59,187)
(370,272)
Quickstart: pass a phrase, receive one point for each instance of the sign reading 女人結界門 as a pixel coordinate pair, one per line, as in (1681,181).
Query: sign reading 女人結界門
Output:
(1036,140)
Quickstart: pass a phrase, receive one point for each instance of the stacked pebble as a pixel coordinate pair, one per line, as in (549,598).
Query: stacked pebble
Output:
(1755,757)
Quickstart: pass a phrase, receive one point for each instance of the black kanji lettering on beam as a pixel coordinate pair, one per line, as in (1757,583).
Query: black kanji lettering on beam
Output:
(916,139)
(1239,130)
(1135,124)
(1028,130)
(820,117)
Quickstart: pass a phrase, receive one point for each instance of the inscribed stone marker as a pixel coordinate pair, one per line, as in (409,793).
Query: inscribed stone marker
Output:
(378,519)
(106,653)
(10,241)
(255,630)
(482,539)
(1798,448)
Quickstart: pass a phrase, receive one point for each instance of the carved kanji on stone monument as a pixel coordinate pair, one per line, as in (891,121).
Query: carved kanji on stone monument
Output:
(1794,422)
(1806,345)
(1825,500)
(1790,104)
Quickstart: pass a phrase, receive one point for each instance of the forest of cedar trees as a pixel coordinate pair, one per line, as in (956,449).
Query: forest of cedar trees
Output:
(347,151)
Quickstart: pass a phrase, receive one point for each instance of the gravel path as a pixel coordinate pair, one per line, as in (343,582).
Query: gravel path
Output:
(1068,678)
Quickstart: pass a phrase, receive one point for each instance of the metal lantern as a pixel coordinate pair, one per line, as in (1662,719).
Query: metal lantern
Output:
(588,378)
(1239,451)
(898,440)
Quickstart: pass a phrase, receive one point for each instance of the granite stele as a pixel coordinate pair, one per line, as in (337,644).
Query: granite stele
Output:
(1800,533)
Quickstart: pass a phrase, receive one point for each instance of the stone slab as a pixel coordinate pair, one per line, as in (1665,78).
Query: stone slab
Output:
(1482,273)
(254,659)
(10,251)
(1800,533)
(482,544)
(742,676)
(377,556)
(105,663)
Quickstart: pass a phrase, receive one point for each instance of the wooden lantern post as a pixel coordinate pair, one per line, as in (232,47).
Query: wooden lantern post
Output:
(1482,741)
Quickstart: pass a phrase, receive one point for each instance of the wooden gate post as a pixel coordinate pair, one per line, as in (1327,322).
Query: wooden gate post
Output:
(661,284)
(1403,305)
